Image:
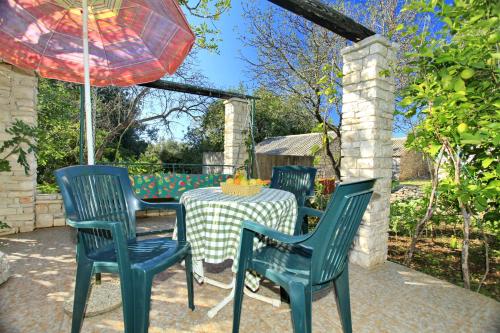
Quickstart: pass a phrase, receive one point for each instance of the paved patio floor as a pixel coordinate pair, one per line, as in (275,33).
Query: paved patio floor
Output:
(390,298)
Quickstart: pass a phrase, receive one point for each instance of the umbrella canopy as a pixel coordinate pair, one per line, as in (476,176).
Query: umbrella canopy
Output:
(130,41)
(96,42)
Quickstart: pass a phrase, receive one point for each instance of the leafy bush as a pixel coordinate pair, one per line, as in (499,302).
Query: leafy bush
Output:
(47,188)
(21,144)
(405,214)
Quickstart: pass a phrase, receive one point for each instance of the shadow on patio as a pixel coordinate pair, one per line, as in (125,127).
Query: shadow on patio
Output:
(390,298)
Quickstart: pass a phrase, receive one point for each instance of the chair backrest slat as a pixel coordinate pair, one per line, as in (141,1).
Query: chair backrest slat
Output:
(334,234)
(296,179)
(99,193)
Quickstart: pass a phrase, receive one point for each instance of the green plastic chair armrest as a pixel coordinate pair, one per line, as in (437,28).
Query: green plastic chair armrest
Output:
(272,233)
(308,211)
(179,212)
(117,232)
(143,205)
(106,225)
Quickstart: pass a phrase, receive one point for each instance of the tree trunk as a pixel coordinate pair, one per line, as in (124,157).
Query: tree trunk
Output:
(335,164)
(465,246)
(429,212)
(455,156)
(486,258)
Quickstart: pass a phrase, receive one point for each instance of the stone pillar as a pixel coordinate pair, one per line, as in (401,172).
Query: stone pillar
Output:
(235,131)
(18,92)
(367,113)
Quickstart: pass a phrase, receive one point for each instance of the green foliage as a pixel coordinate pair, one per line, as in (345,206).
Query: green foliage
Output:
(208,134)
(47,188)
(59,127)
(20,143)
(147,163)
(172,151)
(209,11)
(405,215)
(278,116)
(455,88)
(58,123)
(320,200)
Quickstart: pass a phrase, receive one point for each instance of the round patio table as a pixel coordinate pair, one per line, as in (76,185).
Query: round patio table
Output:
(214,220)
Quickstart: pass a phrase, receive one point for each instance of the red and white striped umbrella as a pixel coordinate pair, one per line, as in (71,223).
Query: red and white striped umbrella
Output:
(96,42)
(130,41)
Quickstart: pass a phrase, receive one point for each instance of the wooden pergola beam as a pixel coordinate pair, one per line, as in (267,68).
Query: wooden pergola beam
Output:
(325,16)
(195,90)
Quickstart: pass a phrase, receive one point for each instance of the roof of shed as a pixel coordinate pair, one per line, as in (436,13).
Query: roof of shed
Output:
(290,145)
(398,146)
(302,144)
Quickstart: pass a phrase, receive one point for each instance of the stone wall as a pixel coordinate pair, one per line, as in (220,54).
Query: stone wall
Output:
(213,158)
(235,130)
(404,192)
(49,211)
(18,93)
(367,113)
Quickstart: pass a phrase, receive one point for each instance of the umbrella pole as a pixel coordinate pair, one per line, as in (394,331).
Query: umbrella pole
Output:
(82,124)
(88,106)
(86,69)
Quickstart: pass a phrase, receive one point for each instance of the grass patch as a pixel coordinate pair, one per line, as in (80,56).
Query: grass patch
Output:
(416,182)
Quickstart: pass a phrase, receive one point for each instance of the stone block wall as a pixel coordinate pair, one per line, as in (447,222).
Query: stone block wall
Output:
(213,158)
(49,211)
(18,93)
(367,114)
(235,131)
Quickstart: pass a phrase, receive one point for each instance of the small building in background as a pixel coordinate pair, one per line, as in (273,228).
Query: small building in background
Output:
(296,150)
(300,150)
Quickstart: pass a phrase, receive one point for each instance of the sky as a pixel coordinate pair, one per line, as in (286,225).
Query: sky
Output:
(224,69)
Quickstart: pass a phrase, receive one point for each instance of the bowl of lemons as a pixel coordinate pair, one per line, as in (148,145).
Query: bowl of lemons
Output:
(241,186)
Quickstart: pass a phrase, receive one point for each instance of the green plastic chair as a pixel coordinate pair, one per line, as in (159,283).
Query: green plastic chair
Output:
(101,205)
(308,263)
(298,180)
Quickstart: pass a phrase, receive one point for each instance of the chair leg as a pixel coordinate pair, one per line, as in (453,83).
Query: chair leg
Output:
(238,297)
(82,286)
(189,280)
(284,295)
(300,302)
(341,285)
(142,301)
(305,226)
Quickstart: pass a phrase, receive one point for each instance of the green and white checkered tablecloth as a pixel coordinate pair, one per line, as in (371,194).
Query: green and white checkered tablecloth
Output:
(213,222)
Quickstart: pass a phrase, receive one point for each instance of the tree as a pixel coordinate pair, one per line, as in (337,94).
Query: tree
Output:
(209,11)
(455,88)
(58,126)
(304,60)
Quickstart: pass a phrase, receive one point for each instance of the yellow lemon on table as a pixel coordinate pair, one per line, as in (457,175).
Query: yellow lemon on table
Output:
(230,181)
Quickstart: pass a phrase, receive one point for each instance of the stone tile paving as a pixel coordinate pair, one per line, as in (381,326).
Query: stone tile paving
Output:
(390,298)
